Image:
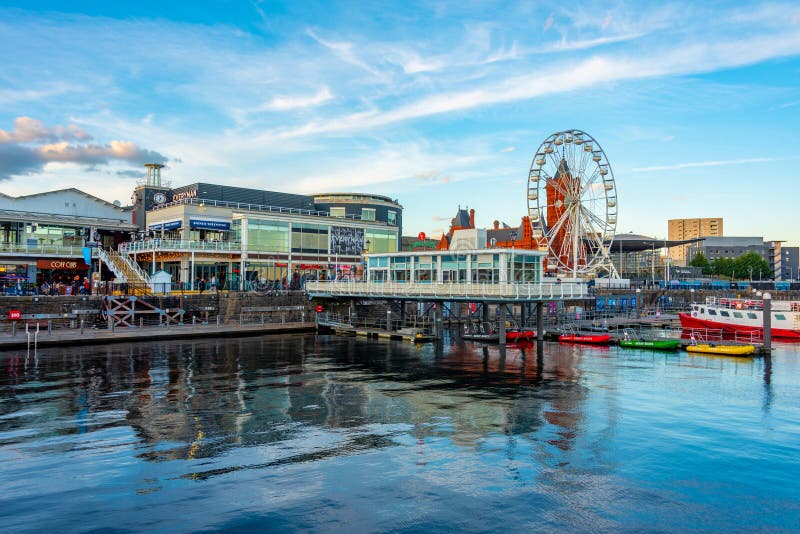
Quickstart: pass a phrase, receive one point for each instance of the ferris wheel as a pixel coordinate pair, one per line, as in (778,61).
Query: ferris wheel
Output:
(572,203)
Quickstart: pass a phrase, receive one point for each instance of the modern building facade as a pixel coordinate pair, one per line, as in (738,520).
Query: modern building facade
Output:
(790,263)
(729,247)
(242,238)
(683,229)
(43,237)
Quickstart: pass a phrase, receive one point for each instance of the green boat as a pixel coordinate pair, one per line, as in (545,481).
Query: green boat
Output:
(655,344)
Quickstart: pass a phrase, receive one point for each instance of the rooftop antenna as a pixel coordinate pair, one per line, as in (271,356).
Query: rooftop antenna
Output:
(153,174)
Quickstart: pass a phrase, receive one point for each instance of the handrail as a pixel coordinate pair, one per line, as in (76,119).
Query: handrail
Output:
(541,291)
(259,207)
(177,244)
(74,250)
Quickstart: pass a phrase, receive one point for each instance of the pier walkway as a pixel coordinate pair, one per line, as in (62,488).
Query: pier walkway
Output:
(449,292)
(92,336)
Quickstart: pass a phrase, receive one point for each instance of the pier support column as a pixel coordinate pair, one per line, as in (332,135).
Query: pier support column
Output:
(501,324)
(767,322)
(539,321)
(388,320)
(403,313)
(437,321)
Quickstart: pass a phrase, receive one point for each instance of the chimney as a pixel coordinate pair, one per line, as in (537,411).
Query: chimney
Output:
(472,218)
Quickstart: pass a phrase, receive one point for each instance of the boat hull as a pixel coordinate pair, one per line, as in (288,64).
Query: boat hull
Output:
(724,350)
(519,335)
(599,339)
(653,344)
(687,321)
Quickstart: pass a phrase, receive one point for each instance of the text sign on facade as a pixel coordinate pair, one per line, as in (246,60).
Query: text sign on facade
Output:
(202,224)
(61,264)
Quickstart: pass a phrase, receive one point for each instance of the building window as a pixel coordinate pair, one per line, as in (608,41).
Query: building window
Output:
(337,211)
(367,214)
(381,240)
(267,236)
(391,218)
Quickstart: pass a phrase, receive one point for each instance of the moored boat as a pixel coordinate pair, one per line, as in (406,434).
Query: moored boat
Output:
(744,315)
(519,335)
(654,344)
(600,339)
(724,350)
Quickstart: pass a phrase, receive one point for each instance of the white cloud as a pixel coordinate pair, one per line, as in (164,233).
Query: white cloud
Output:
(717,163)
(285,103)
(509,149)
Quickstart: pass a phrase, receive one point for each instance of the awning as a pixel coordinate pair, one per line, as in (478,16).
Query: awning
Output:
(204,224)
(169,225)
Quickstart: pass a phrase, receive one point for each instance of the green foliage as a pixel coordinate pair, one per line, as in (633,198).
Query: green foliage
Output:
(700,260)
(742,268)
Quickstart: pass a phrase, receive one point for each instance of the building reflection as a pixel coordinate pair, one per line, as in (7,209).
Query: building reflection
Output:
(194,399)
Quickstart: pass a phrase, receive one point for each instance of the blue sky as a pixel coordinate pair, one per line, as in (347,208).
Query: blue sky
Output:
(437,104)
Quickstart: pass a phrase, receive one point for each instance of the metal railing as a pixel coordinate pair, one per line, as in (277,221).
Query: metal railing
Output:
(257,207)
(148,245)
(61,250)
(452,291)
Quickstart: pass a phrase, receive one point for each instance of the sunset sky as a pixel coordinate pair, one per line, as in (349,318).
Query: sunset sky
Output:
(437,104)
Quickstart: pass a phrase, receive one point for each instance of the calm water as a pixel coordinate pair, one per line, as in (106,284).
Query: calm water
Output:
(342,434)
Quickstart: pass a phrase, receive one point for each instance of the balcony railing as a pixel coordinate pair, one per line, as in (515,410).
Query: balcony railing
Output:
(148,245)
(450,291)
(61,250)
(259,208)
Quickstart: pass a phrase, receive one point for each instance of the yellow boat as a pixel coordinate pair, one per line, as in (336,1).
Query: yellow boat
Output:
(724,350)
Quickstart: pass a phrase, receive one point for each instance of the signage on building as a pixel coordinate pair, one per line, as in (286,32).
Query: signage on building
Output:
(201,224)
(171,225)
(14,315)
(180,195)
(61,264)
(346,241)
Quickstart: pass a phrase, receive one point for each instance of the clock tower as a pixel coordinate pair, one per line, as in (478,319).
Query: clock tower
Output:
(149,194)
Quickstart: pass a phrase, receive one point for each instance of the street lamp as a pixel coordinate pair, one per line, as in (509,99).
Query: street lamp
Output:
(513,235)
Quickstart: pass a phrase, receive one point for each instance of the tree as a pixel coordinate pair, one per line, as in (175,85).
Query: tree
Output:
(752,265)
(701,261)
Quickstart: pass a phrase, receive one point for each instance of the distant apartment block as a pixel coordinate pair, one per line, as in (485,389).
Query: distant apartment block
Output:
(680,229)
(790,263)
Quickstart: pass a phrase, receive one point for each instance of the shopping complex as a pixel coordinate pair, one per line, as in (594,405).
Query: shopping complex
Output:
(231,237)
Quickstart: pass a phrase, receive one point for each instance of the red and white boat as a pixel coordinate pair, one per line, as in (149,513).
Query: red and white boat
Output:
(744,315)
(600,339)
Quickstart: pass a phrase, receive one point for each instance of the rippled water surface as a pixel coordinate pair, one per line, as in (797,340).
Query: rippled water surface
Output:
(342,434)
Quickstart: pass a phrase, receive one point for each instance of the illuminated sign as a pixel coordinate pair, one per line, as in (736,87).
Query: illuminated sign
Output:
(61,264)
(189,193)
(14,315)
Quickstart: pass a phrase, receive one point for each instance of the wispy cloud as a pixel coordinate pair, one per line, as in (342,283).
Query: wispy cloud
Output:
(285,103)
(718,163)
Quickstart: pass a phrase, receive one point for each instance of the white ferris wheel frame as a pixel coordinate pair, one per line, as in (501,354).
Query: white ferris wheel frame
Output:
(589,219)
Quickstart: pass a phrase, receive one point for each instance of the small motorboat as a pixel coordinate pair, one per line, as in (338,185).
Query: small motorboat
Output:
(598,339)
(653,344)
(723,350)
(520,335)
(480,332)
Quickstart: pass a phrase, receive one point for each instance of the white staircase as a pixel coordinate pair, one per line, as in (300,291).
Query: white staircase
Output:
(124,268)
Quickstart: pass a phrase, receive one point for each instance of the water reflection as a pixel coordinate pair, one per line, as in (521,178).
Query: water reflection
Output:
(571,424)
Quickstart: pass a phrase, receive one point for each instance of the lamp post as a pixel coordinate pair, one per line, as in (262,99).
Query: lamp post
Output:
(513,235)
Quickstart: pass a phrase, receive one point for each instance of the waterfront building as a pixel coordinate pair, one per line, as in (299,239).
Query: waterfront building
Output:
(790,263)
(244,238)
(43,236)
(729,247)
(682,229)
